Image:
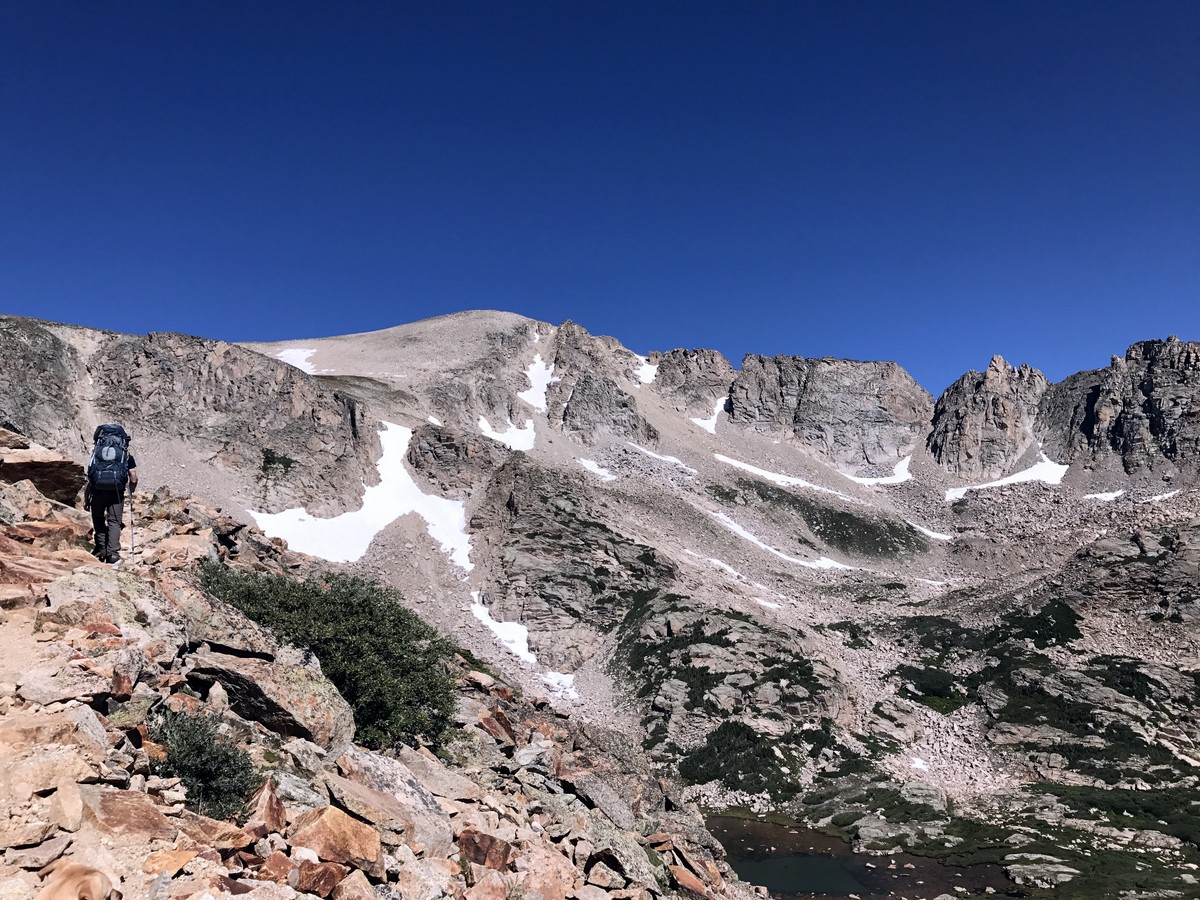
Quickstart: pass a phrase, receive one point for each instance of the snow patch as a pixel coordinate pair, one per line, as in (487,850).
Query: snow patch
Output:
(899,474)
(723,566)
(1105,496)
(345,538)
(540,376)
(515,637)
(930,534)
(1044,470)
(434,420)
(1160,497)
(675,461)
(646,371)
(516,438)
(776,478)
(823,562)
(710,424)
(512,635)
(920,764)
(598,470)
(298,357)
(561,684)
(767,603)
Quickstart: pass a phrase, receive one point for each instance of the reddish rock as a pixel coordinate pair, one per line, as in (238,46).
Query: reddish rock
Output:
(317,878)
(485,849)
(335,837)
(688,881)
(127,813)
(213,833)
(225,883)
(547,873)
(169,861)
(491,886)
(266,810)
(356,887)
(276,867)
(497,725)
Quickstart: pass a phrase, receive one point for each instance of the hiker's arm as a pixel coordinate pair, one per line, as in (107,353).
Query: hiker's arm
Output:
(87,496)
(132,480)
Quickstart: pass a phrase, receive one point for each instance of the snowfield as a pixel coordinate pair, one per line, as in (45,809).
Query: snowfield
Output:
(899,474)
(515,637)
(345,538)
(646,371)
(514,438)
(776,478)
(298,357)
(710,424)
(598,470)
(1044,470)
(673,460)
(823,562)
(540,376)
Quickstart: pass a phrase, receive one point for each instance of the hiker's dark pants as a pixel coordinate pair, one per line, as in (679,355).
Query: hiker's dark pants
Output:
(107,507)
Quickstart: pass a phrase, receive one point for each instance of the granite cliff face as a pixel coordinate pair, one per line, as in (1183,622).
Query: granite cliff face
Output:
(984,422)
(1144,408)
(852,413)
(285,437)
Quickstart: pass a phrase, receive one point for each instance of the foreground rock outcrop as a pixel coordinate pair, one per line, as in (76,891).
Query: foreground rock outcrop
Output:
(522,800)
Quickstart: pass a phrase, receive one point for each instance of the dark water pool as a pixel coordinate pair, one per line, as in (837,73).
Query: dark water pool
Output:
(799,863)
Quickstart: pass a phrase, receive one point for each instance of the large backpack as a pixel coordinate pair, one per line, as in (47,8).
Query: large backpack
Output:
(108,469)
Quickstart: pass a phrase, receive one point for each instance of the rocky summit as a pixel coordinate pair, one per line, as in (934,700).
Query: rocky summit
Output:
(963,629)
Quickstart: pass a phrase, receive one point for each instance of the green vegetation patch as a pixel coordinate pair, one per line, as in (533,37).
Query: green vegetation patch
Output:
(842,530)
(218,774)
(1055,624)
(1175,812)
(740,759)
(932,687)
(388,663)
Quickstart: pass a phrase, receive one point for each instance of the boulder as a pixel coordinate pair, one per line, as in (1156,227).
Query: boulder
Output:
(335,837)
(374,785)
(288,697)
(56,476)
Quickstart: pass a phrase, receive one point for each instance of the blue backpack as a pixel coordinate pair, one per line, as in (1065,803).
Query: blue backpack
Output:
(108,469)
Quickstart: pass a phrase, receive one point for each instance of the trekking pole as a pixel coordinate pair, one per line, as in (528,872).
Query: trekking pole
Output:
(131,544)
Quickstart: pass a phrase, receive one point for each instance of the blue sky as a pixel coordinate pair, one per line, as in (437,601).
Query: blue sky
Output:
(930,182)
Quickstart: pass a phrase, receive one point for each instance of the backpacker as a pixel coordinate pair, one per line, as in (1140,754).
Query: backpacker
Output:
(108,469)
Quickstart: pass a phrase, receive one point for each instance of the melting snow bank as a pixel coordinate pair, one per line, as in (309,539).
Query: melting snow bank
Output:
(1044,470)
(930,534)
(298,357)
(1105,496)
(710,424)
(345,538)
(823,563)
(646,371)
(540,376)
(723,566)
(1159,497)
(776,478)
(515,438)
(675,461)
(598,470)
(899,474)
(515,637)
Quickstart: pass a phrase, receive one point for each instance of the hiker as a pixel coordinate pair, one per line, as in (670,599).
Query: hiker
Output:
(109,471)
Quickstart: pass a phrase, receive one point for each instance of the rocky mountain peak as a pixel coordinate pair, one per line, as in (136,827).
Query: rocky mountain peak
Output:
(984,422)
(845,411)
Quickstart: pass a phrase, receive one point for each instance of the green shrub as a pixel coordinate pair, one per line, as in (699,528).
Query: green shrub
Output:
(739,758)
(218,774)
(388,663)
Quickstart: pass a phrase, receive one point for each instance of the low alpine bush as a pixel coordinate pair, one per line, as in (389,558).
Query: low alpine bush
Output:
(384,659)
(219,775)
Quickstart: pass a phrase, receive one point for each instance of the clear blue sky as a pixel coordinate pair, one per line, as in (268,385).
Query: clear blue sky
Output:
(930,182)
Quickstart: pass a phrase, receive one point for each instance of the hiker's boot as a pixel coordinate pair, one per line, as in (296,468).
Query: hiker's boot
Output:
(114,558)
